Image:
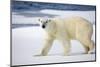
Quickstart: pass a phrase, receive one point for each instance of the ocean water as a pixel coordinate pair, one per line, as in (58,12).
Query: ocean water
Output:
(23,25)
(23,5)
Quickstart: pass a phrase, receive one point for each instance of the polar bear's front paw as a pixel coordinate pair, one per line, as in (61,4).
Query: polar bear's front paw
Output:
(40,55)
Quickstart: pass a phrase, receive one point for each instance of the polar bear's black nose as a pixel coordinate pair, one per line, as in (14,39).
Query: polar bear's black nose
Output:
(43,26)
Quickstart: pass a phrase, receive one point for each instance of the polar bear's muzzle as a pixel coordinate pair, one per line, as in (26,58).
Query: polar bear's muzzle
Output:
(44,24)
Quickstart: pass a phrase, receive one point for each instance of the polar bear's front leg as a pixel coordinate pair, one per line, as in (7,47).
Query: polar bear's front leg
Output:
(47,46)
(66,45)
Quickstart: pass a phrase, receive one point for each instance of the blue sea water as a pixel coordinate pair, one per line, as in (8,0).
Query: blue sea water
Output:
(23,25)
(27,5)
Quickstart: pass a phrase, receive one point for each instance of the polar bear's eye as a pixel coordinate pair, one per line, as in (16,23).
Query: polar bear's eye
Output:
(46,22)
(41,21)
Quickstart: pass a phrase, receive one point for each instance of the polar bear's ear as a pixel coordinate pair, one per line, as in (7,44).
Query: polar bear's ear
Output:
(39,19)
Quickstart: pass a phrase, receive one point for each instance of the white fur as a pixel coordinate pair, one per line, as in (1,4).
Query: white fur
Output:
(67,29)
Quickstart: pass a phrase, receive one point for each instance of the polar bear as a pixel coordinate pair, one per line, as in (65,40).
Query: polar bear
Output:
(65,30)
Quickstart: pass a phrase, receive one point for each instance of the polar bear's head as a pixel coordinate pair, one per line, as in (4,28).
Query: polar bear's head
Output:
(45,22)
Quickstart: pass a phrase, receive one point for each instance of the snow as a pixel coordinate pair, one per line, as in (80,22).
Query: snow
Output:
(20,19)
(27,42)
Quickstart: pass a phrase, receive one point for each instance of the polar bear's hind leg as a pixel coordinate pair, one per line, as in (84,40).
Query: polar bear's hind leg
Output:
(87,43)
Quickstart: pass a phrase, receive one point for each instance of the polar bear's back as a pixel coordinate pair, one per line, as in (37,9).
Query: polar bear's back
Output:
(72,21)
(73,25)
